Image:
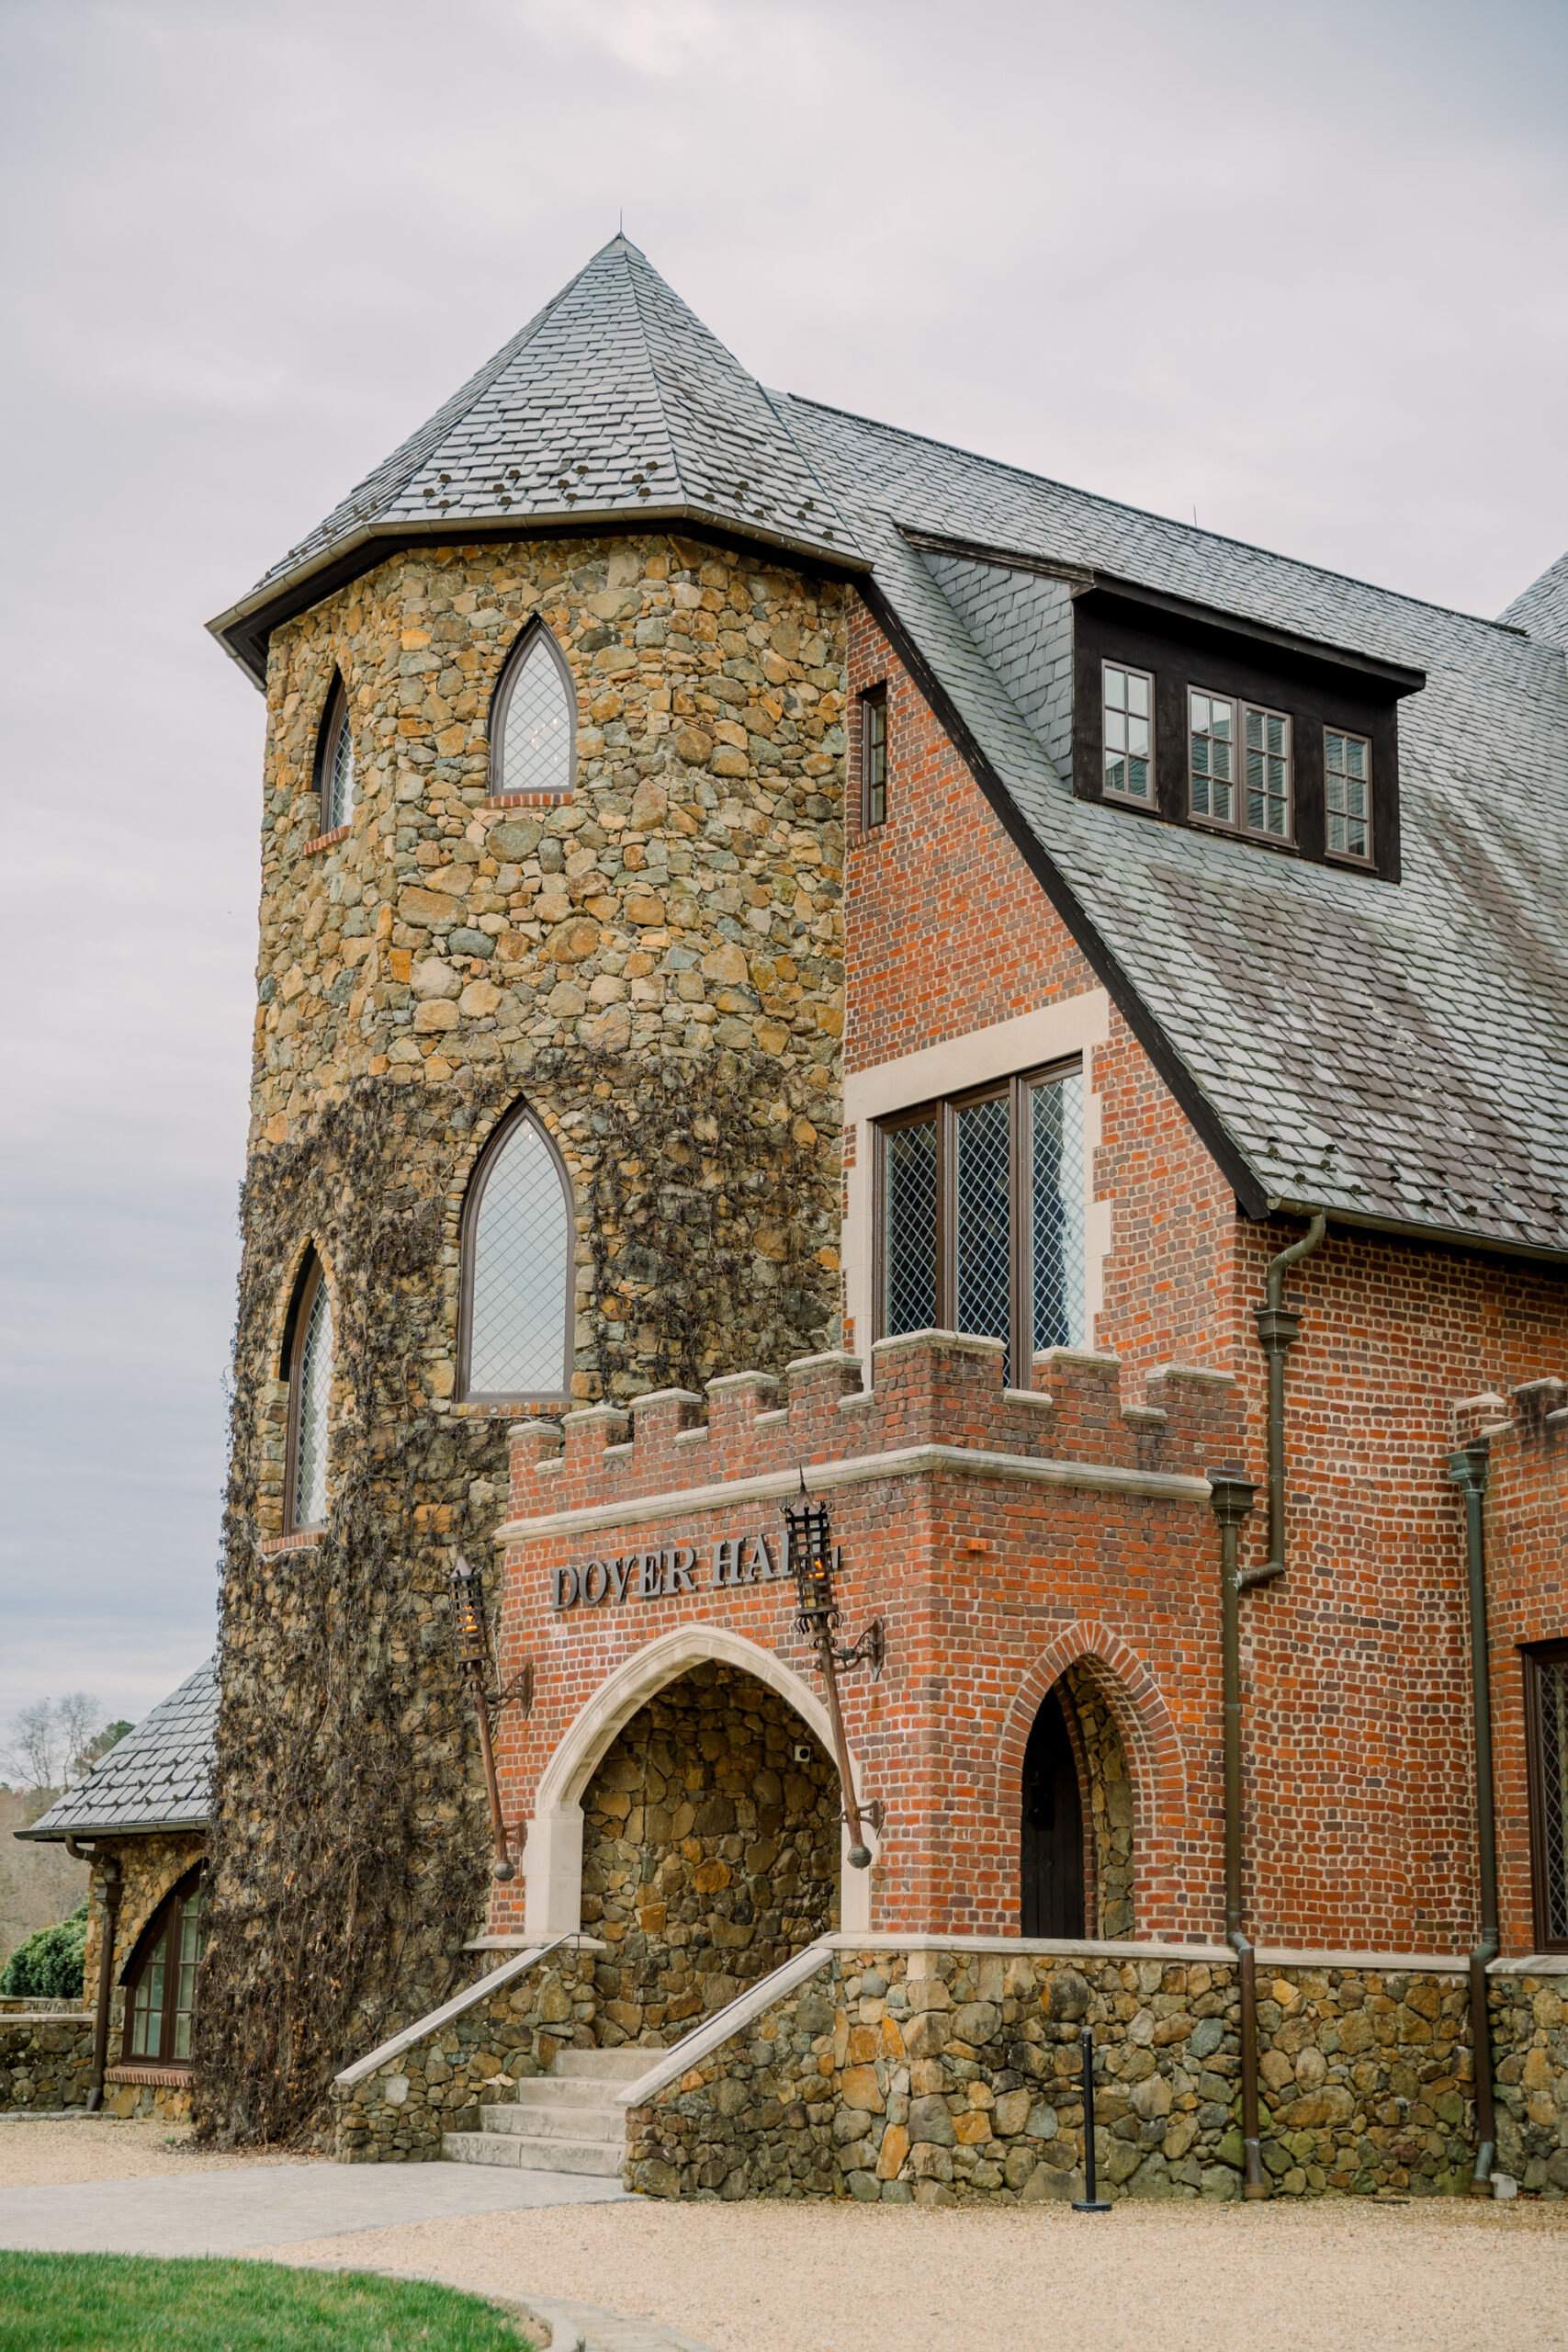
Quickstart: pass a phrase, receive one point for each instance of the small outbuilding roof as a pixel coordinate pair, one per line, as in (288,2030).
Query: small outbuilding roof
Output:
(156,1778)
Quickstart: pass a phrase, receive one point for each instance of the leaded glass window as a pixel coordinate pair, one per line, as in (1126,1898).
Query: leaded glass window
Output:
(1129,732)
(337,761)
(532,721)
(519,1255)
(1546,1714)
(1212,756)
(980,1215)
(160,2004)
(312,1401)
(1347,778)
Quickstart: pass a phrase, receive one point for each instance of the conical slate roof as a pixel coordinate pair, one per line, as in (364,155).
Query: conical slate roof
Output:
(615,402)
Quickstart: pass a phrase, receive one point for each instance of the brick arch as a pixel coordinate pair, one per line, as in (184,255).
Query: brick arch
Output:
(552,1858)
(1149,1736)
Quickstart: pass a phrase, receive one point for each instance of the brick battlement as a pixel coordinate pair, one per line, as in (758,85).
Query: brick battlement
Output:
(931,1389)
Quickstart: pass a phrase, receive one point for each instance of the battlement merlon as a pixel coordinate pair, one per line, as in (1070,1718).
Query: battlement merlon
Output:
(940,1392)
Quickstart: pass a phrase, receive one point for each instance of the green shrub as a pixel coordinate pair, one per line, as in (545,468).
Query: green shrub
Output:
(49,1966)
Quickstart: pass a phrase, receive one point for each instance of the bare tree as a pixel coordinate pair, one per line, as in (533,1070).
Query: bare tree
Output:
(79,1716)
(56,1741)
(35,1755)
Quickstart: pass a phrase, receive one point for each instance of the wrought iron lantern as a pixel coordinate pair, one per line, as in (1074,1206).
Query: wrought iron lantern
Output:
(813,1562)
(470,1641)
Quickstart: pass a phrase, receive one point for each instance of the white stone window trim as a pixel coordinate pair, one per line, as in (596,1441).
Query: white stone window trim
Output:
(1074,1024)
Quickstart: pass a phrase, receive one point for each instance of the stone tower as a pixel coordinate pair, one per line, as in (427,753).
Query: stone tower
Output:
(625,929)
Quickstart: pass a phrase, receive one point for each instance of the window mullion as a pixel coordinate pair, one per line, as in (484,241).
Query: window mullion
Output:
(946,1225)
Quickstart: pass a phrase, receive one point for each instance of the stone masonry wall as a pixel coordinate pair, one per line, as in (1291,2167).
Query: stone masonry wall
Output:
(46,2060)
(398,2115)
(1110,1803)
(1529,2050)
(943,2077)
(149,1868)
(710,1852)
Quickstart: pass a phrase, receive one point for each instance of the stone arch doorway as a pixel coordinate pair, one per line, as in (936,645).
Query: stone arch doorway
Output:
(1076,1855)
(710,1850)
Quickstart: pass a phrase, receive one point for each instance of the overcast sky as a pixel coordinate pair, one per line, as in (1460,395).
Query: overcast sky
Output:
(1297,268)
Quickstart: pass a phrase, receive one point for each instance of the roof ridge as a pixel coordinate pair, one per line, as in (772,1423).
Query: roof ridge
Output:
(654,376)
(1151,514)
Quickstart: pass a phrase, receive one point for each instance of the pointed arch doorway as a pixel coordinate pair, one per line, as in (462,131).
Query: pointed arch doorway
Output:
(1051,1857)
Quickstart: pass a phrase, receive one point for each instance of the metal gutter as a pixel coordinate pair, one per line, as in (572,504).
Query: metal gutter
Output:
(1467,1471)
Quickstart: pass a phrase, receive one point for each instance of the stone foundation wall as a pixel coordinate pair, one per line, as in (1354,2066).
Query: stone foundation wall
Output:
(943,2077)
(398,2115)
(1529,2050)
(710,1851)
(46,2060)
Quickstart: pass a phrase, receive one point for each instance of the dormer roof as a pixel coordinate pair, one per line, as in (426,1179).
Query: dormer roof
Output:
(615,405)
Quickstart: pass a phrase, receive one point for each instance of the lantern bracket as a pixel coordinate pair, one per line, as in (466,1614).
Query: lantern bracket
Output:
(871,1650)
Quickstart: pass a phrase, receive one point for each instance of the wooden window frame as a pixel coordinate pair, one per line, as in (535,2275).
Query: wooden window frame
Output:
(1354,858)
(334,720)
(484,1167)
(1016,1090)
(168,1918)
(517,653)
(312,1276)
(873,699)
(1149,802)
(1242,705)
(1535,1657)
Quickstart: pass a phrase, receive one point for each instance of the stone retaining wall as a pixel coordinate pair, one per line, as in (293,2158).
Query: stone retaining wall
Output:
(46,2059)
(937,2078)
(398,2115)
(1529,2050)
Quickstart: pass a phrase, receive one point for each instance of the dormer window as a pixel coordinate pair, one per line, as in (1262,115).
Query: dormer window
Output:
(335,760)
(1348,767)
(1129,701)
(533,721)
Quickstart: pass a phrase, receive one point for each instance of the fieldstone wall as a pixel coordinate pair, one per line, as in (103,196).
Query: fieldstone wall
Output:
(149,1868)
(46,2059)
(398,2115)
(1111,1804)
(710,1851)
(1529,2048)
(941,2077)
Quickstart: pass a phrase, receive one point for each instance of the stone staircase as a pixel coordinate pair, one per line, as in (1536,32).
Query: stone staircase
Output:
(565,2120)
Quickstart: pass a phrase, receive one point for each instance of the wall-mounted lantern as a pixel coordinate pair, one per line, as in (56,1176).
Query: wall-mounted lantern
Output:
(472,1642)
(813,1561)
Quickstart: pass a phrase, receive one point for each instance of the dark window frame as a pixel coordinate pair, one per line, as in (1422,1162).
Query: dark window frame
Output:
(1205,821)
(1129,800)
(1535,1657)
(873,702)
(296,1331)
(334,721)
(1319,689)
(1015,1089)
(517,653)
(520,1113)
(1349,856)
(167,1918)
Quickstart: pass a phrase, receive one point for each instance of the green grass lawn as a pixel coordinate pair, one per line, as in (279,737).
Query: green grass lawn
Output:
(123,2302)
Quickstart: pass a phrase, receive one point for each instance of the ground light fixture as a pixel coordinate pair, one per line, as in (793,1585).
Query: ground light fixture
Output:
(1089,2202)
(814,1562)
(471,1646)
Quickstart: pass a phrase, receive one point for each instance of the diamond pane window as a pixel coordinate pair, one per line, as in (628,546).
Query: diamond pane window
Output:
(1129,732)
(1056,1187)
(980,1216)
(519,1254)
(337,762)
(909,1228)
(313,1402)
(531,743)
(1212,756)
(1268,772)
(1347,764)
(1546,1693)
(983,1216)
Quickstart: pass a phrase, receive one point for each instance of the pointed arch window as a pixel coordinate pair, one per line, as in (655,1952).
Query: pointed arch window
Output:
(533,719)
(161,1980)
(516,1325)
(310,1359)
(335,760)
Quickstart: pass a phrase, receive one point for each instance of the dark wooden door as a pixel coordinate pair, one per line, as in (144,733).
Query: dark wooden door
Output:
(1053,1828)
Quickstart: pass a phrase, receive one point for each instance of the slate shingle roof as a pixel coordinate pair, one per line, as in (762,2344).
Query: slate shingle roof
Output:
(614,401)
(155,1779)
(1397,1053)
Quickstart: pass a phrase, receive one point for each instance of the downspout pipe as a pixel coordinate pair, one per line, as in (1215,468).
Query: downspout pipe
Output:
(1277,1329)
(113,1886)
(1468,1470)
(1231,1499)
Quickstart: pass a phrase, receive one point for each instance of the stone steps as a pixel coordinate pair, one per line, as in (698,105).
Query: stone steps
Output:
(565,2120)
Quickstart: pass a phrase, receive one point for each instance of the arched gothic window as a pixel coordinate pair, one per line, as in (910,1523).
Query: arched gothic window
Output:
(533,719)
(335,760)
(309,1349)
(515,1333)
(160,1982)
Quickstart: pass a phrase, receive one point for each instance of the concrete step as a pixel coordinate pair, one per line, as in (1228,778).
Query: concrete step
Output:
(601,2065)
(576,2121)
(579,2092)
(596,2156)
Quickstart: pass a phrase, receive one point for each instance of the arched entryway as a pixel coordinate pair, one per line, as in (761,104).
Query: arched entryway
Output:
(1076,1831)
(710,1850)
